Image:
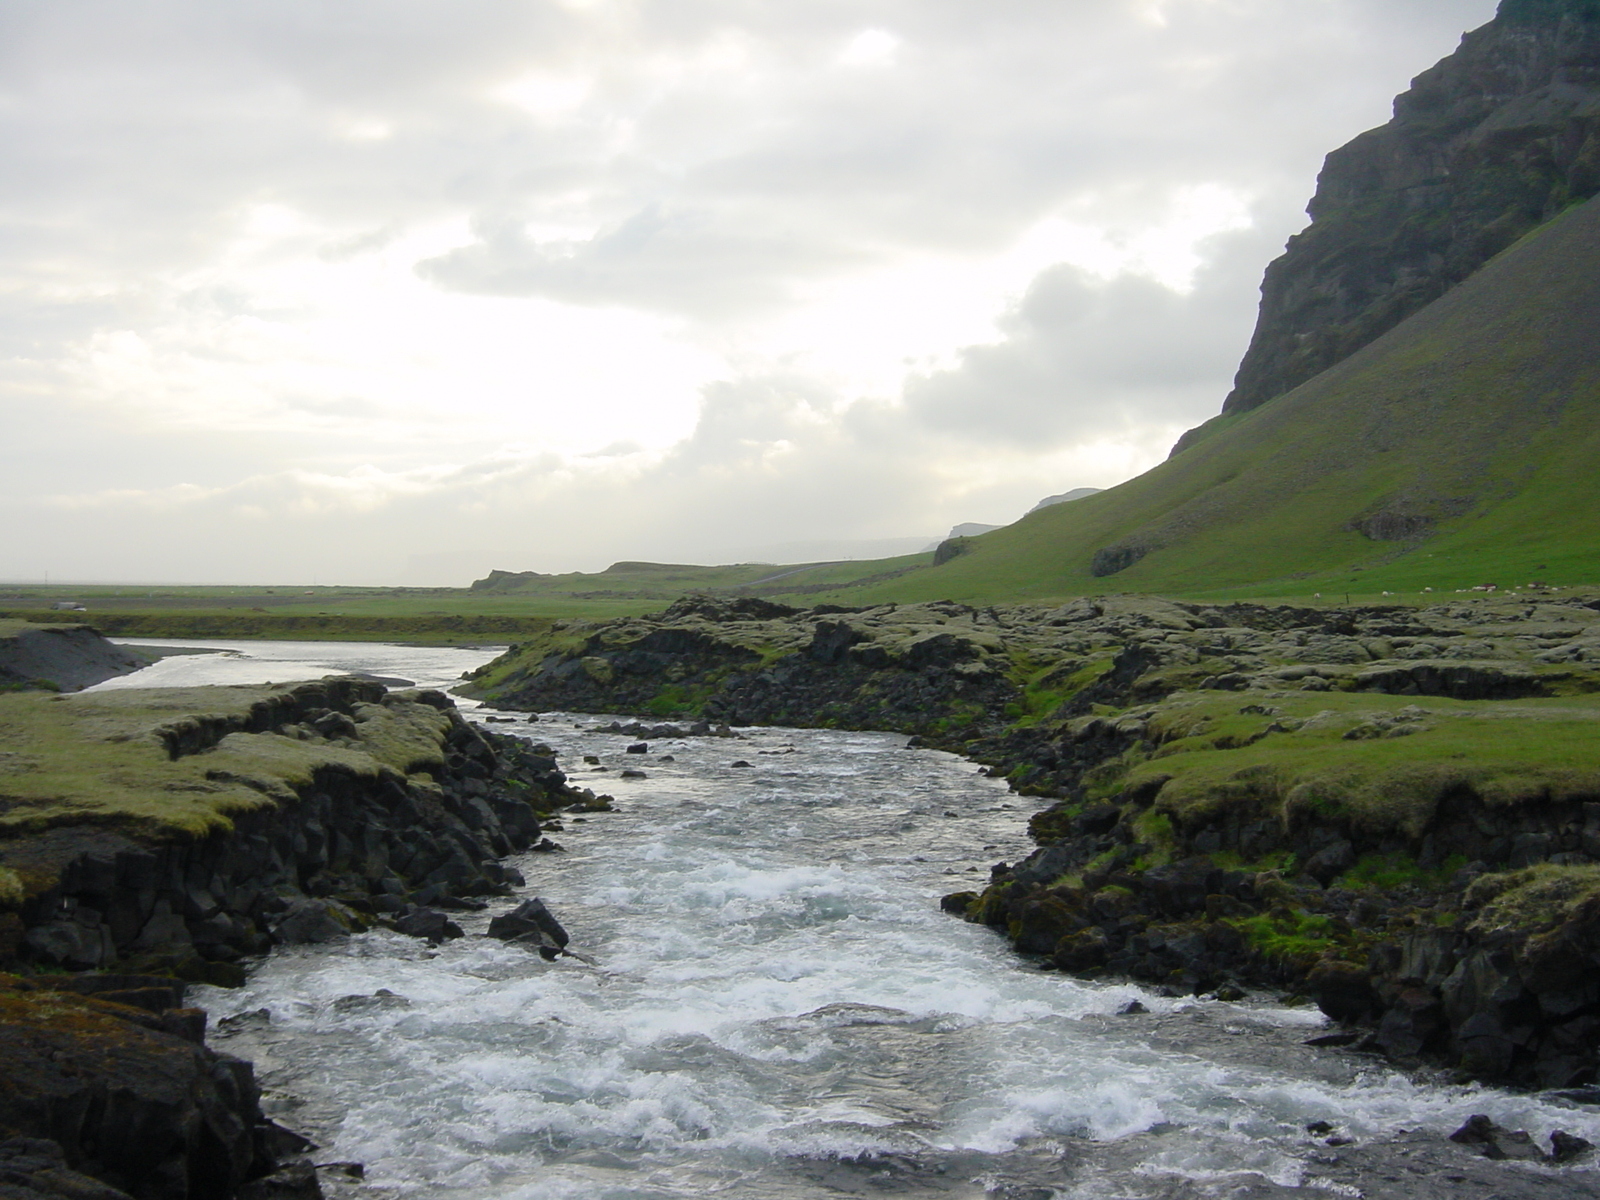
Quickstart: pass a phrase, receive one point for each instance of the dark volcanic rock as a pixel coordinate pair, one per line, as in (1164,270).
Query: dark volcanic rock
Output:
(531,916)
(1494,140)
(37,1167)
(311,868)
(140,1109)
(427,923)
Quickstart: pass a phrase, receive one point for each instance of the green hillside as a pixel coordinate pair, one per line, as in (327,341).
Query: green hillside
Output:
(1463,443)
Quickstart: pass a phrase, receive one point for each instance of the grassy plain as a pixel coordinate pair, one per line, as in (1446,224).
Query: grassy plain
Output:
(1370,762)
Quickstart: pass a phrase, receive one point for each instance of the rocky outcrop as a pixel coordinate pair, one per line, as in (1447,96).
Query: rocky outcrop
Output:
(750,661)
(1493,141)
(339,851)
(1427,960)
(112,1094)
(60,657)
(110,1068)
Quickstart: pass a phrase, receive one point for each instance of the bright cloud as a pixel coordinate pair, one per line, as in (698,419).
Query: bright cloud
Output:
(402,291)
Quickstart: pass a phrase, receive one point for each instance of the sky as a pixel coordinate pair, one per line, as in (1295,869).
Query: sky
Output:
(399,291)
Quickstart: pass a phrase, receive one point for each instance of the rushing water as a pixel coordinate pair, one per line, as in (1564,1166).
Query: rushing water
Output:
(778,1009)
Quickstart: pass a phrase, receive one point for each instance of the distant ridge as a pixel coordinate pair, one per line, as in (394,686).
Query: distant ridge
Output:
(1065,498)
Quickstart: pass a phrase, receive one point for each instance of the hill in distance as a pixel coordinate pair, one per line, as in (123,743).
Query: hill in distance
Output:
(1457,449)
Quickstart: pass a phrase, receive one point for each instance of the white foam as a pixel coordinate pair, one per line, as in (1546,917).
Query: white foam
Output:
(775,978)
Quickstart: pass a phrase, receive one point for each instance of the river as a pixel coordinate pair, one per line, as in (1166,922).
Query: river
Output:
(778,1009)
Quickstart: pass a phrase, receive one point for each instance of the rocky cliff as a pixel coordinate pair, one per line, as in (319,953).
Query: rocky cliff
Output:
(1493,141)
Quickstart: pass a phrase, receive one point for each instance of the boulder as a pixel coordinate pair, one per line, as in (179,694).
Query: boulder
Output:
(529,917)
(1414,1022)
(297,1181)
(147,1112)
(309,922)
(1493,1141)
(427,923)
(1342,990)
(37,1167)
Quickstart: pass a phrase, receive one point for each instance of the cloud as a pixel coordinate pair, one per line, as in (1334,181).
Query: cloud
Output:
(290,288)
(1083,357)
(677,260)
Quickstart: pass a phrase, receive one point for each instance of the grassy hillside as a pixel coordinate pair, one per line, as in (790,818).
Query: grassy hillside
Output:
(1463,442)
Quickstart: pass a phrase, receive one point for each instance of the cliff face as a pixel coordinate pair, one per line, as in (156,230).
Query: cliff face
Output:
(1493,141)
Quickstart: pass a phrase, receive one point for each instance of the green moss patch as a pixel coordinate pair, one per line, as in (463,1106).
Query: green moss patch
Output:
(1289,935)
(1365,759)
(1531,900)
(98,758)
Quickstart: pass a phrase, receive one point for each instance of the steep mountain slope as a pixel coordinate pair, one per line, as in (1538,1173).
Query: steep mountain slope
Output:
(1490,143)
(1456,449)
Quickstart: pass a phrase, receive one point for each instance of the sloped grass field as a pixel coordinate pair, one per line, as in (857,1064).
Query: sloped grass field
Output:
(1475,423)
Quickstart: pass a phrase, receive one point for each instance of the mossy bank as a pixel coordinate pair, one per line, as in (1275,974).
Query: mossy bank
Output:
(148,838)
(1394,810)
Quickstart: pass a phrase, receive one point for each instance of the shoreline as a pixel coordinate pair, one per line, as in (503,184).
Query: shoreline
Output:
(1246,796)
(316,809)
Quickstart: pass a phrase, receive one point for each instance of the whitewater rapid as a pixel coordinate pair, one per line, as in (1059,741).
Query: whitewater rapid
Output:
(779,1009)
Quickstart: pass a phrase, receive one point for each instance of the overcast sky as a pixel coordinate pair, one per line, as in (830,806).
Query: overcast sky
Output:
(397,291)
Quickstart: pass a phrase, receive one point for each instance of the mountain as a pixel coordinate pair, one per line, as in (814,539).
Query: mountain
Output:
(1487,145)
(1420,404)
(1457,449)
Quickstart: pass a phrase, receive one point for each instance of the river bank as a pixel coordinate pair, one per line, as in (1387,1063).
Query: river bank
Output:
(777,1010)
(1393,810)
(150,839)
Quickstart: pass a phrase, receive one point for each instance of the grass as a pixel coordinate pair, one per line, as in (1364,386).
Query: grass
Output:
(97,758)
(1214,759)
(1289,935)
(1391,871)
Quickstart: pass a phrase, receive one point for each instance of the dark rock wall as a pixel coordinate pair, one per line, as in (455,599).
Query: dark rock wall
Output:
(839,678)
(1513,1006)
(103,1085)
(1493,141)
